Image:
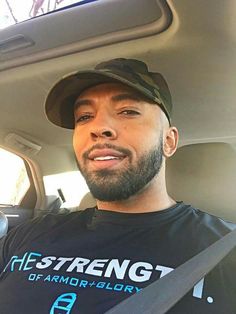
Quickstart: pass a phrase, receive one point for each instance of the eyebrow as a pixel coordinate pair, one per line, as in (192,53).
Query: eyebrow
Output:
(127,96)
(81,102)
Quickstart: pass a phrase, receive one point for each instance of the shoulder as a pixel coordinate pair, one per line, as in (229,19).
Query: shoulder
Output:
(204,225)
(213,223)
(43,225)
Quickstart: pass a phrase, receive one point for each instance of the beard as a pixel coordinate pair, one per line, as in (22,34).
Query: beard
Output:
(116,185)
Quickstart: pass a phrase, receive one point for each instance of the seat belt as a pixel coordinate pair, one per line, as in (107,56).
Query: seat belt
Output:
(162,294)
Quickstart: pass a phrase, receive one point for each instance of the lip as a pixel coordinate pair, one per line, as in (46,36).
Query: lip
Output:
(104,153)
(104,164)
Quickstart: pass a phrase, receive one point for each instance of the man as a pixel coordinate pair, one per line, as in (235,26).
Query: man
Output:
(87,262)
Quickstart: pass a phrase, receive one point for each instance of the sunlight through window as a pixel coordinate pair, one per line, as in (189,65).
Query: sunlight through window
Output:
(14,181)
(72,185)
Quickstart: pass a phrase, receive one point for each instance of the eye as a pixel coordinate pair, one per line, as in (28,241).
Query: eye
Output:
(129,112)
(83,118)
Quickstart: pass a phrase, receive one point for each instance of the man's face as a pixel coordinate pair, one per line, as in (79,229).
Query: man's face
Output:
(117,141)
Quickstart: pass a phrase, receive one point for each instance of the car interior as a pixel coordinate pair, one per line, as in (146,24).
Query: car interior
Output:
(192,43)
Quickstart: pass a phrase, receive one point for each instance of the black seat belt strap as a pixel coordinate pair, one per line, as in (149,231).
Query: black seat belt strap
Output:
(162,294)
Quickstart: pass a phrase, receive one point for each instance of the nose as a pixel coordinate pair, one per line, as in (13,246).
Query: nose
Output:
(103,127)
(103,133)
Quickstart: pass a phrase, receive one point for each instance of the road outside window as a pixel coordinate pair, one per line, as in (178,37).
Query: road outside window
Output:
(14,181)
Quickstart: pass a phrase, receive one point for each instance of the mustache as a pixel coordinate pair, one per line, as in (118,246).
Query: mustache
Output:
(122,150)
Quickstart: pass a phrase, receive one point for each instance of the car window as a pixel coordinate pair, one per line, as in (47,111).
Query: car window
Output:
(71,184)
(14,180)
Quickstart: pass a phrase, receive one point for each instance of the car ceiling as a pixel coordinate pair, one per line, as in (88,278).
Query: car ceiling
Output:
(192,43)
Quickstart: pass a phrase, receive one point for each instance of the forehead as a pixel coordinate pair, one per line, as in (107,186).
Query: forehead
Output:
(109,89)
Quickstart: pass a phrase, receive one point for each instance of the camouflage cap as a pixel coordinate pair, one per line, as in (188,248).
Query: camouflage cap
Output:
(134,73)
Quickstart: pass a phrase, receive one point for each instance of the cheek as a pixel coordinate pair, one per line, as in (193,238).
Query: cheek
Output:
(74,141)
(77,145)
(147,133)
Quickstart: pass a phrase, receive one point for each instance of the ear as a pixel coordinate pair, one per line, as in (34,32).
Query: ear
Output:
(170,141)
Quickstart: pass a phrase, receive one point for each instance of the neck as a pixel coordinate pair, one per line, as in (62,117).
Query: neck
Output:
(153,197)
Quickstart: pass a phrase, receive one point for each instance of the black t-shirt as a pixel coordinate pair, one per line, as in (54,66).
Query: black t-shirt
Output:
(87,262)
